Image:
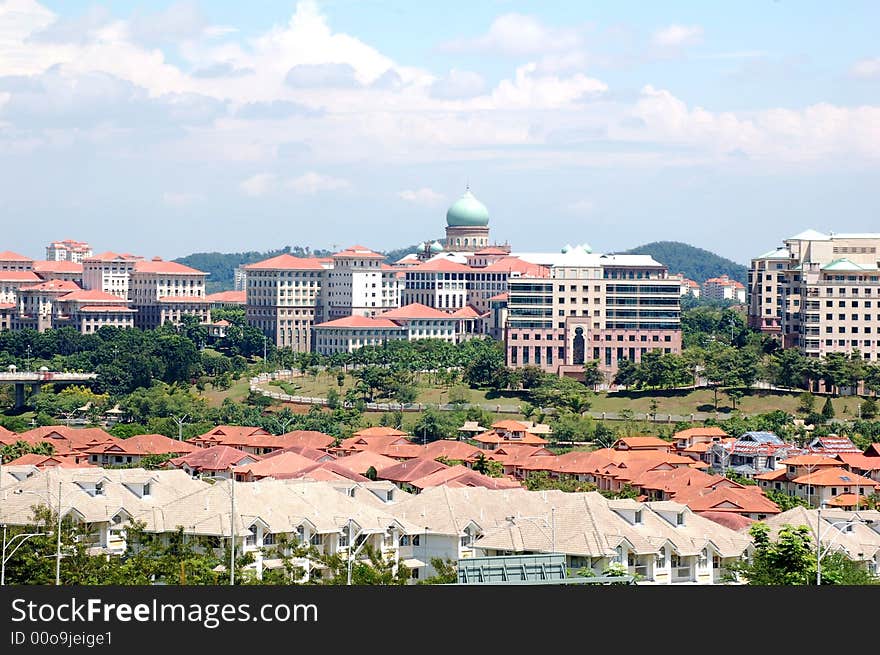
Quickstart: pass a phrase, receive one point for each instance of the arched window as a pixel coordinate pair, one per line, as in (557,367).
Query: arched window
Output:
(578,345)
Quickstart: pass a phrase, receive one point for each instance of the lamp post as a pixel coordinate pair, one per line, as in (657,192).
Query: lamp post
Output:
(819,552)
(28,365)
(180,421)
(57,528)
(231,493)
(6,544)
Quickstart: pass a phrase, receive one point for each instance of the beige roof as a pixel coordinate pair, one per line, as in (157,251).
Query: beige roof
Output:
(586,524)
(282,505)
(120,487)
(861,543)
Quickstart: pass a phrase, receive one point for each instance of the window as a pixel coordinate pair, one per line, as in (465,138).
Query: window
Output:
(415,574)
(679,518)
(99,488)
(638,517)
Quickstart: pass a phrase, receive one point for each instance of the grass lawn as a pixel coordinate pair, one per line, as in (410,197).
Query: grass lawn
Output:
(685,402)
(237,392)
(679,402)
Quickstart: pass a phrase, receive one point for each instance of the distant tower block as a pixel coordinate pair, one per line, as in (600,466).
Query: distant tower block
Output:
(467,224)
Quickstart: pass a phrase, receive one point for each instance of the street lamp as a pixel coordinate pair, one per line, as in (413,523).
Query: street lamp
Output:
(231,493)
(28,365)
(5,558)
(180,421)
(57,528)
(819,552)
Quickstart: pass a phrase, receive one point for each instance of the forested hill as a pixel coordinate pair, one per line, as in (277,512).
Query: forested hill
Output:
(696,263)
(221,265)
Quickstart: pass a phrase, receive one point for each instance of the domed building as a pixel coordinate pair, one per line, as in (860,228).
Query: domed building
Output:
(467,224)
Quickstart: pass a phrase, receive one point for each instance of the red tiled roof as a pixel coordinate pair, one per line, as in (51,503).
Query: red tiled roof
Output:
(310,438)
(463,477)
(7,305)
(41,461)
(19,276)
(54,286)
(93,295)
(286,262)
(491,250)
(215,458)
(730,520)
(164,267)
(467,312)
(329,471)
(516,265)
(859,461)
(509,425)
(378,431)
(654,443)
(810,460)
(231,297)
(110,256)
(145,444)
(361,461)
(708,431)
(9,256)
(500,296)
(106,308)
(281,465)
(72,438)
(410,470)
(451,449)
(415,311)
(360,252)
(62,266)
(360,322)
(834,476)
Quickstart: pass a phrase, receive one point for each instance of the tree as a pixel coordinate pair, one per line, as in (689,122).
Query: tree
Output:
(445,572)
(868,408)
(806,402)
(790,560)
(828,409)
(735,395)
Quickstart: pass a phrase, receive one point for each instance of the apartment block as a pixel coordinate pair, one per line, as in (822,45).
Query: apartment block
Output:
(723,288)
(360,284)
(68,251)
(591,307)
(283,299)
(109,272)
(819,293)
(163,291)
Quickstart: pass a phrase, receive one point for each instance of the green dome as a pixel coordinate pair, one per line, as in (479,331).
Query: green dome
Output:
(467,211)
(436,247)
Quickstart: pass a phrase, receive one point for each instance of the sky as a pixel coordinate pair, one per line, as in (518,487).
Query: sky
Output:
(165,128)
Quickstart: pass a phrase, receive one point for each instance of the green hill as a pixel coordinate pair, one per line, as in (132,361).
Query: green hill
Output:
(696,263)
(221,265)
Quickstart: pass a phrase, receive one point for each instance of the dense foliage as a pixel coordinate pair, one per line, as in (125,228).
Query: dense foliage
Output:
(696,263)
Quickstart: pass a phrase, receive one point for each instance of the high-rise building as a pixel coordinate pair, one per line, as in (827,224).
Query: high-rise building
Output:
(820,293)
(591,307)
(283,299)
(163,291)
(68,251)
(723,288)
(109,272)
(360,283)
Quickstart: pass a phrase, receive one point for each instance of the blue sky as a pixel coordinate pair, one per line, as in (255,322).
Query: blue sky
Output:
(165,128)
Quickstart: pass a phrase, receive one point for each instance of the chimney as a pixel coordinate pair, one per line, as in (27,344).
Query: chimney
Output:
(157,259)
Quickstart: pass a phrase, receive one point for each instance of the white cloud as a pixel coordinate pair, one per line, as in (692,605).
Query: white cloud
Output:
(866,68)
(180,199)
(312,183)
(424,196)
(530,90)
(678,35)
(182,20)
(321,75)
(258,185)
(518,34)
(457,85)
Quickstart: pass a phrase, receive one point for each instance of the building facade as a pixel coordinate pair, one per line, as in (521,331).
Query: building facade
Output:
(68,251)
(163,291)
(819,293)
(591,307)
(360,284)
(283,299)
